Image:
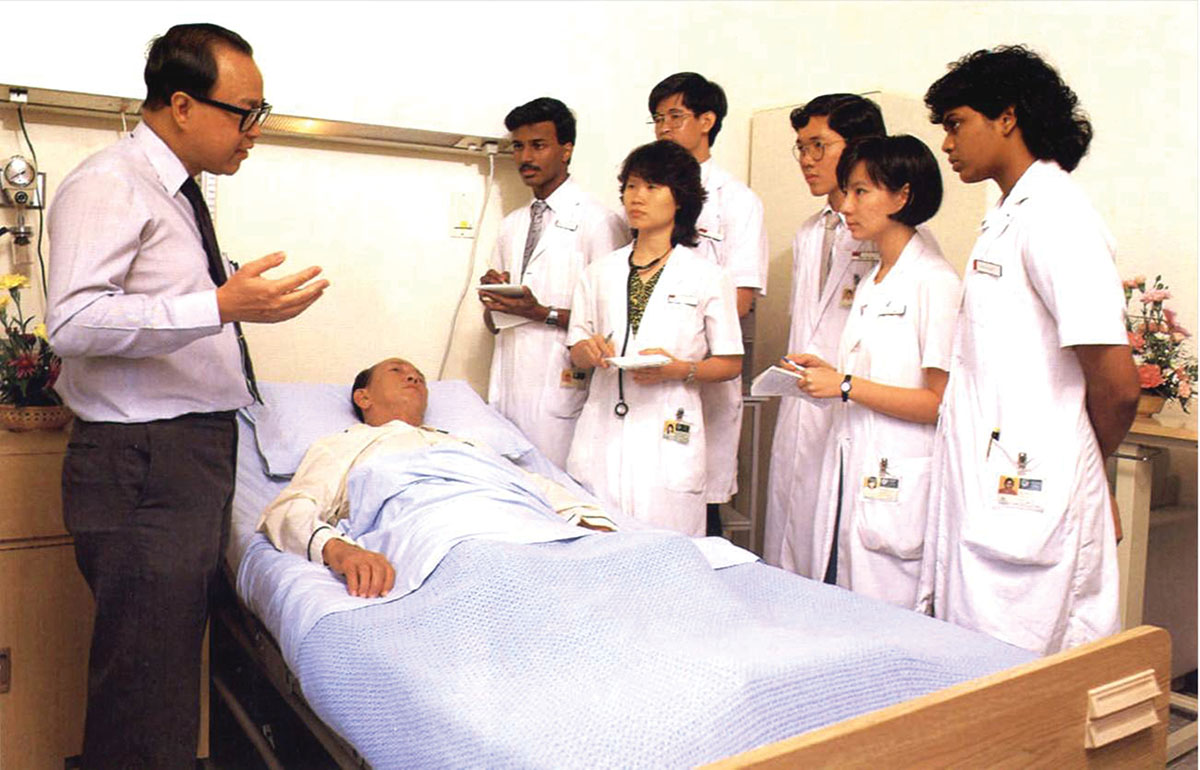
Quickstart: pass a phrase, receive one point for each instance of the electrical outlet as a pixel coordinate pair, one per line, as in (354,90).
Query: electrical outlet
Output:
(462,216)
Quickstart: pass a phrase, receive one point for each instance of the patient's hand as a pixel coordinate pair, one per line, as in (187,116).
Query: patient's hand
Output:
(368,573)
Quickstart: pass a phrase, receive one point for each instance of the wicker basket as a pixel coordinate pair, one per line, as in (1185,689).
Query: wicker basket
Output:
(25,418)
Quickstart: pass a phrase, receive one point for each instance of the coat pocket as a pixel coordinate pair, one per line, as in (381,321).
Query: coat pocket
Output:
(1023,516)
(896,527)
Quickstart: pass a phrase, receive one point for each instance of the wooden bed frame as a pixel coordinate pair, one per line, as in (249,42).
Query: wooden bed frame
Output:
(1036,714)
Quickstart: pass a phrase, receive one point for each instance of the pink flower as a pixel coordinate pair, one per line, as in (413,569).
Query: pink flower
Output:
(1129,283)
(1136,341)
(1155,295)
(1149,376)
(26,365)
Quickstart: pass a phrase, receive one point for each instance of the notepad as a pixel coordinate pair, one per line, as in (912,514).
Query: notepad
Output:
(503,289)
(776,381)
(639,362)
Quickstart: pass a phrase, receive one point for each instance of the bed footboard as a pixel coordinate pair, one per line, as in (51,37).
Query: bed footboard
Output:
(1035,715)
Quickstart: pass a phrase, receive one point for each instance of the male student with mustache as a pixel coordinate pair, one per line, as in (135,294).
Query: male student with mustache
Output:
(544,247)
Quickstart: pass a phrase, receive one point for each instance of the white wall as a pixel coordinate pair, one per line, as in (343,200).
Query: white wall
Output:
(461,66)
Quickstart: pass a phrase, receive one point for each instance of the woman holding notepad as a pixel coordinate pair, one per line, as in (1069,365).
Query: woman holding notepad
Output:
(652,321)
(889,376)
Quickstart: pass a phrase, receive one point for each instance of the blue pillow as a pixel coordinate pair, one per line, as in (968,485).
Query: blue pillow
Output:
(294,415)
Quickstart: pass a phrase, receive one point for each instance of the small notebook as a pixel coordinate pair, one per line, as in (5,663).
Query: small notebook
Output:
(776,381)
(639,361)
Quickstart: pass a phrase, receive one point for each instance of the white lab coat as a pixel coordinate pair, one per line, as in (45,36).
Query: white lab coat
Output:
(897,328)
(732,235)
(527,382)
(802,425)
(627,463)
(1040,279)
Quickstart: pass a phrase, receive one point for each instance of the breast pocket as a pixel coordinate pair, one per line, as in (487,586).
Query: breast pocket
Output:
(1023,516)
(895,527)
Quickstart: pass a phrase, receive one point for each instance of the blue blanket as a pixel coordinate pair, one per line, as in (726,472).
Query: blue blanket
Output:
(621,650)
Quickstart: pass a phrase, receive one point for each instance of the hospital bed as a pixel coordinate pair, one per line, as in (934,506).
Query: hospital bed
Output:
(746,666)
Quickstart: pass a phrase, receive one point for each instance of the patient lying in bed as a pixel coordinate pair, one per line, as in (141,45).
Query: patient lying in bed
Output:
(392,484)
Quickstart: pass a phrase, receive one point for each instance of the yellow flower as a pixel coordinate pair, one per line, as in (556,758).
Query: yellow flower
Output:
(13,281)
(3,299)
(40,331)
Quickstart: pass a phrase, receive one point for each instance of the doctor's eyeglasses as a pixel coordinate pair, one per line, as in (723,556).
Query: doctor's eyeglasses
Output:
(250,118)
(673,119)
(814,149)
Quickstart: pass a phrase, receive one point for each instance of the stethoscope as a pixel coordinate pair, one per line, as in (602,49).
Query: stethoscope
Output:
(621,409)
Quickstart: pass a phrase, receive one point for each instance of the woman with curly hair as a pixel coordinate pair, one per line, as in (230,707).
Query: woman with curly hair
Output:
(639,444)
(1042,386)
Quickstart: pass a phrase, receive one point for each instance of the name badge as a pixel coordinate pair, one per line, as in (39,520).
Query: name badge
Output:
(566,224)
(847,299)
(678,431)
(865,256)
(714,234)
(1019,492)
(892,310)
(575,379)
(883,488)
(987,268)
(683,299)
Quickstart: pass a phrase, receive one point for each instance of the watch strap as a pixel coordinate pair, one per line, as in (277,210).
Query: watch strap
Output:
(846,388)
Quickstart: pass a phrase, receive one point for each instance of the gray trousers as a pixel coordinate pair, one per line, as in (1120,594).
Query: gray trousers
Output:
(148,505)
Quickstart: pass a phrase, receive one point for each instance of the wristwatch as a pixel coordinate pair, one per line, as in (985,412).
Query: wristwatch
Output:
(845,388)
(552,317)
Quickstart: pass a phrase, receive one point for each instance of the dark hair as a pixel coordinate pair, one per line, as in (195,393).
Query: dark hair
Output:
(361,380)
(850,115)
(895,161)
(700,95)
(1052,123)
(666,163)
(182,60)
(542,109)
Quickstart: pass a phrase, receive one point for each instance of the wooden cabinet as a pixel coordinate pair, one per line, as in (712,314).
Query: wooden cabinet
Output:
(45,608)
(45,612)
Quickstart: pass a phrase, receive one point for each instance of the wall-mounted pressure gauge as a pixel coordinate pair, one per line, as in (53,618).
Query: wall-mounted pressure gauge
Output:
(19,172)
(21,183)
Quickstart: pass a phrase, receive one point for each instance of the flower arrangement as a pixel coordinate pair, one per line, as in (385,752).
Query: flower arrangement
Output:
(28,367)
(1164,367)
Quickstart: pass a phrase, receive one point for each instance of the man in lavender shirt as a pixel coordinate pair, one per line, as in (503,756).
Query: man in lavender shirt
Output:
(145,314)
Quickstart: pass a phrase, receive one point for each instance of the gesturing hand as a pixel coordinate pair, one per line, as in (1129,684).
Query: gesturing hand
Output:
(249,296)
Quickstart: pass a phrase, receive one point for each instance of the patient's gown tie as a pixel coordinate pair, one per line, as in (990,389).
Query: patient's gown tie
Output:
(216,269)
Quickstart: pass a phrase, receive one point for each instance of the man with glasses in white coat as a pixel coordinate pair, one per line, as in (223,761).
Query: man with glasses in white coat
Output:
(827,265)
(687,109)
(544,248)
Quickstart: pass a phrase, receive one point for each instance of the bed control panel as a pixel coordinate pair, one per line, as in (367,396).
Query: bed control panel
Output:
(1121,708)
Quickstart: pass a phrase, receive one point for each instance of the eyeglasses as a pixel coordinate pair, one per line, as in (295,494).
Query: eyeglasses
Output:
(814,149)
(250,118)
(673,119)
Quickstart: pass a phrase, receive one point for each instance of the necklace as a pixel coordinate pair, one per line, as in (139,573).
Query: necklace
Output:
(651,263)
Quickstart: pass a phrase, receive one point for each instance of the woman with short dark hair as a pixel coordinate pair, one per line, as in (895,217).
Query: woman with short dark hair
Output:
(890,373)
(639,444)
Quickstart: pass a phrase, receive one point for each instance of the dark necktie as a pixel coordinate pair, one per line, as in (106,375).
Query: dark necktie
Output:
(216,270)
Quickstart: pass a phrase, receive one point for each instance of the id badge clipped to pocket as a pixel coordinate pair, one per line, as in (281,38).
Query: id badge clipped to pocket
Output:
(573,379)
(883,487)
(677,430)
(1022,490)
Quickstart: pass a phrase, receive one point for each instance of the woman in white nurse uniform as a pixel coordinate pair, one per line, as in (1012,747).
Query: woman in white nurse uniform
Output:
(639,444)
(891,369)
